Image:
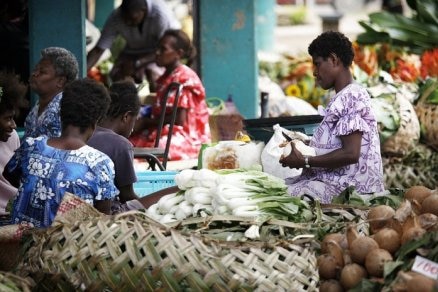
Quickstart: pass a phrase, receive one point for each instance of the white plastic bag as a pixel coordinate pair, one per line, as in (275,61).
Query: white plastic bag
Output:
(233,154)
(271,153)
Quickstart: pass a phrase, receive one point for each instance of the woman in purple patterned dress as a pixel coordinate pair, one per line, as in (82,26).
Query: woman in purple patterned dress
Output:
(347,140)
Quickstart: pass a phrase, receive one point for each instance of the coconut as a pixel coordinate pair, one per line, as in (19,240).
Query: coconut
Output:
(417,194)
(351,275)
(375,261)
(337,237)
(330,286)
(430,205)
(327,266)
(360,247)
(388,239)
(379,217)
(428,221)
(420,282)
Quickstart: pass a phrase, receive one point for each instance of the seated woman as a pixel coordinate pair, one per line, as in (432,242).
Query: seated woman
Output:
(12,92)
(347,140)
(191,128)
(111,137)
(45,168)
(56,68)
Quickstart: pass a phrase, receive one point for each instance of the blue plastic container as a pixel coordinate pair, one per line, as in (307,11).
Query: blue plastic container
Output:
(153,181)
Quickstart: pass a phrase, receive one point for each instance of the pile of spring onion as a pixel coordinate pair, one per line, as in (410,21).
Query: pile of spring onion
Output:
(239,192)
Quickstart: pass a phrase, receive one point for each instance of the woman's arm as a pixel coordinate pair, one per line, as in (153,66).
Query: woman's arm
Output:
(348,154)
(127,193)
(146,122)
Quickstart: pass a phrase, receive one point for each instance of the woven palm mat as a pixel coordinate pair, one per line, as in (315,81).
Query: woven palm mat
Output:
(13,283)
(419,167)
(130,251)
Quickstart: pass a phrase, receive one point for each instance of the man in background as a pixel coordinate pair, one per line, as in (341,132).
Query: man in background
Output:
(141,23)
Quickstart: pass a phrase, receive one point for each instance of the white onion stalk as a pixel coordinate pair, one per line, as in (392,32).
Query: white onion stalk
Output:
(180,215)
(205,178)
(246,211)
(253,232)
(200,207)
(168,218)
(166,202)
(200,195)
(184,179)
(152,212)
(186,207)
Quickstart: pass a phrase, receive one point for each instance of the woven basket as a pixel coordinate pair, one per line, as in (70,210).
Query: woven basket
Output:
(428,116)
(12,245)
(131,252)
(14,283)
(408,133)
(419,167)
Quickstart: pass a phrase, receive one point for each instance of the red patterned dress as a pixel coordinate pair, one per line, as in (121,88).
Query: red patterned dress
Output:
(187,138)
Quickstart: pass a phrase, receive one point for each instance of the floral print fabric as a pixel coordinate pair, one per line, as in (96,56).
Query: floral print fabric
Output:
(47,173)
(48,123)
(348,111)
(187,138)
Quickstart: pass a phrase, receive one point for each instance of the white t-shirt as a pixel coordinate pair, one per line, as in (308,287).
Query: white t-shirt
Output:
(7,191)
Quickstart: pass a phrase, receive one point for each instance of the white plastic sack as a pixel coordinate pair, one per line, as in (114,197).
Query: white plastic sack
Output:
(271,153)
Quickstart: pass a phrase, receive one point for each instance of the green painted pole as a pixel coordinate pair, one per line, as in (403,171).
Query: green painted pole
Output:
(228,52)
(58,24)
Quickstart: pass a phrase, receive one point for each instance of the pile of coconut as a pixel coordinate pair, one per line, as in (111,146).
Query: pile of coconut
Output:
(347,258)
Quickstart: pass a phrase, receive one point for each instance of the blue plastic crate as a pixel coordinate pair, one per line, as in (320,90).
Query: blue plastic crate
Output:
(152,181)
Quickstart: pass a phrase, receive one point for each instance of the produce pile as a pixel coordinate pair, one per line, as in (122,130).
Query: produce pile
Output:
(245,193)
(381,261)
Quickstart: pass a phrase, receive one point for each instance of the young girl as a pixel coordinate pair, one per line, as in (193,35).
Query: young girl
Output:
(111,137)
(45,168)
(191,127)
(12,92)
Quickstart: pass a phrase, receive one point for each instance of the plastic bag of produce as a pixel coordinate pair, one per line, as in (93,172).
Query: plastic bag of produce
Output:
(232,155)
(271,153)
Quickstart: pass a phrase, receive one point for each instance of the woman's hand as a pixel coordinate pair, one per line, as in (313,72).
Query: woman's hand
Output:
(294,160)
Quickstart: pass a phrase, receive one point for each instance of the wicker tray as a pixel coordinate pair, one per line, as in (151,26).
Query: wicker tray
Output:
(428,116)
(132,252)
(419,167)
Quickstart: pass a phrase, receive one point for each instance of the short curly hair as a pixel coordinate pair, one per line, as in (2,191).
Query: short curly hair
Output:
(84,102)
(183,43)
(12,91)
(124,98)
(332,42)
(64,62)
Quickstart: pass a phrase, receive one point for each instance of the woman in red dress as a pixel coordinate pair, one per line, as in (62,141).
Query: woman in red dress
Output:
(191,127)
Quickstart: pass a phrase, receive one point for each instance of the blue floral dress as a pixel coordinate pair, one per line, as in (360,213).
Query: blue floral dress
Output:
(47,173)
(48,123)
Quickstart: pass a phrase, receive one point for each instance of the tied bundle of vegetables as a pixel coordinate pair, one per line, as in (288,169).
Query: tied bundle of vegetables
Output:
(246,193)
(257,194)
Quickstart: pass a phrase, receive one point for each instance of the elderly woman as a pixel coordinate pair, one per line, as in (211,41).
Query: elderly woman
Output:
(54,71)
